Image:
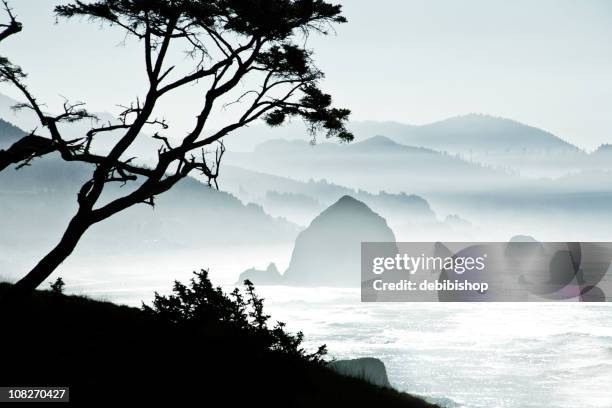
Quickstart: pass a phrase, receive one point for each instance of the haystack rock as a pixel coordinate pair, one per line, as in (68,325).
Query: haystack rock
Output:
(328,252)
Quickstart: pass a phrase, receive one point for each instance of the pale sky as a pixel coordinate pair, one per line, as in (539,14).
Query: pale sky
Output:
(546,63)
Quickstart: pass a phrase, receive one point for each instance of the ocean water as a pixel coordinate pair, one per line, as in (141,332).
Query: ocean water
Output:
(511,355)
(493,355)
(515,355)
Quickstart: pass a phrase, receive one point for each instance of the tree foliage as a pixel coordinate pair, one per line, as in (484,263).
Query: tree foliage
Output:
(58,286)
(204,306)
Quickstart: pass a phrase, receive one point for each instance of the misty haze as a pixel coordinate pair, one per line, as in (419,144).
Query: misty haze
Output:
(161,187)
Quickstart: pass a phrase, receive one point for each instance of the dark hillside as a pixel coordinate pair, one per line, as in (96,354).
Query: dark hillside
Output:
(116,354)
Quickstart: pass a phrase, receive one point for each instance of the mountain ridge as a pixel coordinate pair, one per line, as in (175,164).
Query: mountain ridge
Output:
(247,138)
(472,129)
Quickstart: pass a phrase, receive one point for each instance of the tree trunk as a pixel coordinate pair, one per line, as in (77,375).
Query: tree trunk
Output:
(45,267)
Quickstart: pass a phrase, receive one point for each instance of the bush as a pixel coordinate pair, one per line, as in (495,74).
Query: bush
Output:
(58,286)
(204,306)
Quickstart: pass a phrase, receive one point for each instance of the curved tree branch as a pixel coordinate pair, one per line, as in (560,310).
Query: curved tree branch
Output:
(253,39)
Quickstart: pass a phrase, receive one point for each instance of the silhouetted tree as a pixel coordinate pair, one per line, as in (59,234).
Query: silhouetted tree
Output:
(31,145)
(231,43)
(58,286)
(204,306)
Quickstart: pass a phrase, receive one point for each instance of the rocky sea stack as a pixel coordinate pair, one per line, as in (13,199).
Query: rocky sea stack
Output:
(327,253)
(369,369)
(269,276)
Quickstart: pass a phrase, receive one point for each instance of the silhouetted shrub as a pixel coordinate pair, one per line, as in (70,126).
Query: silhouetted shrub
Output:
(58,286)
(203,305)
